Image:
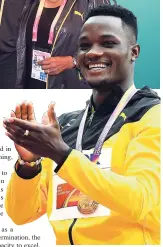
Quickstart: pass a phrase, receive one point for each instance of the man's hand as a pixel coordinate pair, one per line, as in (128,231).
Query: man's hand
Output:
(43,140)
(24,111)
(56,65)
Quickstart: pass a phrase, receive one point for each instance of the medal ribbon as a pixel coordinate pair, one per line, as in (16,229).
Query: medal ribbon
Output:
(37,20)
(85,204)
(121,105)
(1,10)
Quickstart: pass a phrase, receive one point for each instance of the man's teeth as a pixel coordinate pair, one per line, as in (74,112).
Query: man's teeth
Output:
(97,66)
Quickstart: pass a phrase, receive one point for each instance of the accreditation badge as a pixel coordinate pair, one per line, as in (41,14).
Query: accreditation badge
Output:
(70,203)
(37,72)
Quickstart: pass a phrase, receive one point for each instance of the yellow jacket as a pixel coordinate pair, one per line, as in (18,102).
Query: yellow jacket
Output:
(130,189)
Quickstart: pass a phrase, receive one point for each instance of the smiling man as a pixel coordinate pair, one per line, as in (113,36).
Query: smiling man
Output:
(103,187)
(108,48)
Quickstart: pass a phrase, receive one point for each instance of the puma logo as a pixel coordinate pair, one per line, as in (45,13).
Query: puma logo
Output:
(79,14)
(123,115)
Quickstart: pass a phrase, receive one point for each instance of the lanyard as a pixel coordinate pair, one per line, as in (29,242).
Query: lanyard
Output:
(37,20)
(1,10)
(121,105)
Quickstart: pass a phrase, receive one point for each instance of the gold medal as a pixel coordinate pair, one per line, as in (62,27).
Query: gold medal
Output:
(86,205)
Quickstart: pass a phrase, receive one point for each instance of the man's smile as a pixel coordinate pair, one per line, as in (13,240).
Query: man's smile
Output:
(96,67)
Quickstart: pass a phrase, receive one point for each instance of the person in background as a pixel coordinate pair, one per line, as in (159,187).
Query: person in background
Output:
(10,13)
(50,29)
(101,183)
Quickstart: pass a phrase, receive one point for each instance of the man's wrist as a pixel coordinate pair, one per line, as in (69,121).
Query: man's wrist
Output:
(74,62)
(27,172)
(71,62)
(30,163)
(29,159)
(60,157)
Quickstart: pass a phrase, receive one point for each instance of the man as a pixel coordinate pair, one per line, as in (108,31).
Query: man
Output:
(8,35)
(101,189)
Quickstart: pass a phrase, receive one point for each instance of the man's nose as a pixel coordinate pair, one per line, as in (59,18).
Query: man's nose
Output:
(95,51)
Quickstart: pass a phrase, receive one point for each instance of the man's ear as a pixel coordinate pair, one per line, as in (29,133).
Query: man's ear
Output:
(135,51)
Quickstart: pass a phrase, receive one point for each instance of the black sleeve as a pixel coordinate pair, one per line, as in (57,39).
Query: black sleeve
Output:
(65,118)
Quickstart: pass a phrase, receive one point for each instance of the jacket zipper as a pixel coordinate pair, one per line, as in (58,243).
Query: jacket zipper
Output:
(90,119)
(70,232)
(28,7)
(58,34)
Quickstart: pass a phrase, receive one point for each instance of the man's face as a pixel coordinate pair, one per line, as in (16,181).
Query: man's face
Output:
(104,53)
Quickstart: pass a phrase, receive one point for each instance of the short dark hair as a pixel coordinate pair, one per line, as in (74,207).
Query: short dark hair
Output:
(127,16)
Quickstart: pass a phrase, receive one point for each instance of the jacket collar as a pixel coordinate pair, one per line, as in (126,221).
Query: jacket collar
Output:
(109,104)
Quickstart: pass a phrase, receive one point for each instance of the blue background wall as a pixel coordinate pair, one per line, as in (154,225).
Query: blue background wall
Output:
(147,69)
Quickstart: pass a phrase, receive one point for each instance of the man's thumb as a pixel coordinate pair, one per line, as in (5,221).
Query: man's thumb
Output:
(51,113)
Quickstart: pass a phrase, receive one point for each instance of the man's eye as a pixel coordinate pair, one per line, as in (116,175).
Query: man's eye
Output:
(84,46)
(108,44)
